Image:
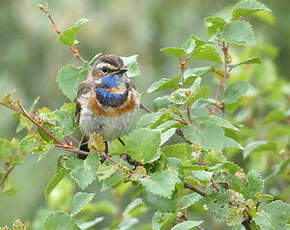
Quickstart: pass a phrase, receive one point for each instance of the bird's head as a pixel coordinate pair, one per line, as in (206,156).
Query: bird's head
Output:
(108,65)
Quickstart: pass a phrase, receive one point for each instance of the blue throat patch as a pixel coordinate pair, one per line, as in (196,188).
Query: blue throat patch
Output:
(107,98)
(111,80)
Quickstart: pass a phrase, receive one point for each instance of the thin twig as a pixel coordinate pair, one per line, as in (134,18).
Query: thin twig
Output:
(182,66)
(181,121)
(6,174)
(74,50)
(225,49)
(144,107)
(188,114)
(193,188)
(218,94)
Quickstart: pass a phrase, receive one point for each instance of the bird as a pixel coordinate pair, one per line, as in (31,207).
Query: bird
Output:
(107,102)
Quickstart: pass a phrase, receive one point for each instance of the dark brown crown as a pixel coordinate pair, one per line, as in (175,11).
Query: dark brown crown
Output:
(111,59)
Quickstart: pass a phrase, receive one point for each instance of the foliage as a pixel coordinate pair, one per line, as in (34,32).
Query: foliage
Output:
(170,177)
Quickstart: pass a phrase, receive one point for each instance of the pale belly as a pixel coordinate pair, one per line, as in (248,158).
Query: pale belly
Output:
(109,128)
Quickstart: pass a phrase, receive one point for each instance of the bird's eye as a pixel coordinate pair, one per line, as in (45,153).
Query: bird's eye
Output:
(105,69)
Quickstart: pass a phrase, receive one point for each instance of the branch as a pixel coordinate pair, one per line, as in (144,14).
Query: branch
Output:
(66,147)
(225,49)
(144,107)
(193,188)
(74,50)
(6,174)
(182,65)
(218,94)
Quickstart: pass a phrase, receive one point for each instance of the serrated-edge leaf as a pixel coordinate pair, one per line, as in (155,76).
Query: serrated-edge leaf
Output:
(244,8)
(58,220)
(68,78)
(68,36)
(235,91)
(208,53)
(239,33)
(165,189)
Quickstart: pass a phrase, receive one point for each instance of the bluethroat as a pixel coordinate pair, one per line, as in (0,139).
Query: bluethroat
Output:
(107,101)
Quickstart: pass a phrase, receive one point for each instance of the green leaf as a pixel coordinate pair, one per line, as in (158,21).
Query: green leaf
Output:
(5,149)
(147,119)
(33,144)
(132,206)
(89,224)
(186,225)
(239,33)
(164,83)
(208,135)
(55,180)
(127,224)
(60,221)
(193,91)
(234,216)
(191,74)
(215,24)
(162,220)
(161,102)
(231,175)
(217,121)
(80,200)
(181,150)
(83,172)
(160,183)
(263,220)
(68,36)
(274,116)
(257,146)
(165,136)
(235,91)
(160,203)
(106,171)
(255,185)
(244,8)
(279,213)
(68,79)
(132,65)
(279,169)
(189,45)
(175,51)
(207,52)
(201,175)
(143,143)
(218,203)
(8,188)
(253,60)
(264,197)
(112,176)
(178,97)
(231,143)
(188,200)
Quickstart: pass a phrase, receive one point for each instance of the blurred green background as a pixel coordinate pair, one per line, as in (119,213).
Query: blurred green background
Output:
(31,55)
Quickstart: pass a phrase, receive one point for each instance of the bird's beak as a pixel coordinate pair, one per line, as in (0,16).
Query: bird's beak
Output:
(123,70)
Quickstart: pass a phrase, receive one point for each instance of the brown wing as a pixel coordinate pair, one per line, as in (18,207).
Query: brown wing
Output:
(83,88)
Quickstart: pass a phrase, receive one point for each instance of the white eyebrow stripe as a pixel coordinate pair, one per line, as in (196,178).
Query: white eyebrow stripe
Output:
(100,65)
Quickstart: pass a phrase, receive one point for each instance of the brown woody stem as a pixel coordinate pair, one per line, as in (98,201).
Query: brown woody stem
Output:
(74,50)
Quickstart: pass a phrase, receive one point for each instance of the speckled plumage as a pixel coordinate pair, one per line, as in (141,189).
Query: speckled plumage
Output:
(106,102)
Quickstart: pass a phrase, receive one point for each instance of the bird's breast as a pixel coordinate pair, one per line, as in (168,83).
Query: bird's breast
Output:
(113,106)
